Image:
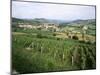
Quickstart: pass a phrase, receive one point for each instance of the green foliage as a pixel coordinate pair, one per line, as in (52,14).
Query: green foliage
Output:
(31,54)
(54,34)
(75,37)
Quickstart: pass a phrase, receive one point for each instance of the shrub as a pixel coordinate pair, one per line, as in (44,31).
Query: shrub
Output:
(58,38)
(82,41)
(54,34)
(75,37)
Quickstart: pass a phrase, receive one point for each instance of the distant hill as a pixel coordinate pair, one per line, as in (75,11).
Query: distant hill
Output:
(38,21)
(17,20)
(84,22)
(29,21)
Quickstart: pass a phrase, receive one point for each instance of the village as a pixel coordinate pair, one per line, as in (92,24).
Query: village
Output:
(45,26)
(70,32)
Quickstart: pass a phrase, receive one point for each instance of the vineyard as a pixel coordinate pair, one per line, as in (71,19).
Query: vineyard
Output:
(33,53)
(52,37)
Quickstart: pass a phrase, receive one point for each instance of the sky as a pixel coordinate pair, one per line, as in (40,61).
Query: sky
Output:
(31,10)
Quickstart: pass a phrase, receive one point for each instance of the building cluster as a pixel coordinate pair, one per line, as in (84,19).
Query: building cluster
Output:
(45,26)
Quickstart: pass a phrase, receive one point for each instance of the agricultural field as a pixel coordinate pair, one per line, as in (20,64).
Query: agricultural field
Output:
(36,51)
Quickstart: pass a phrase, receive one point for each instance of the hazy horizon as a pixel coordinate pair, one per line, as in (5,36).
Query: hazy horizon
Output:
(31,10)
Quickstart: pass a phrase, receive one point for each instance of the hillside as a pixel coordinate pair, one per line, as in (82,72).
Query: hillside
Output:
(61,22)
(37,20)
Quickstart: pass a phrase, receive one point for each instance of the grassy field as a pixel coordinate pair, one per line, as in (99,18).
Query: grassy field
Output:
(35,51)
